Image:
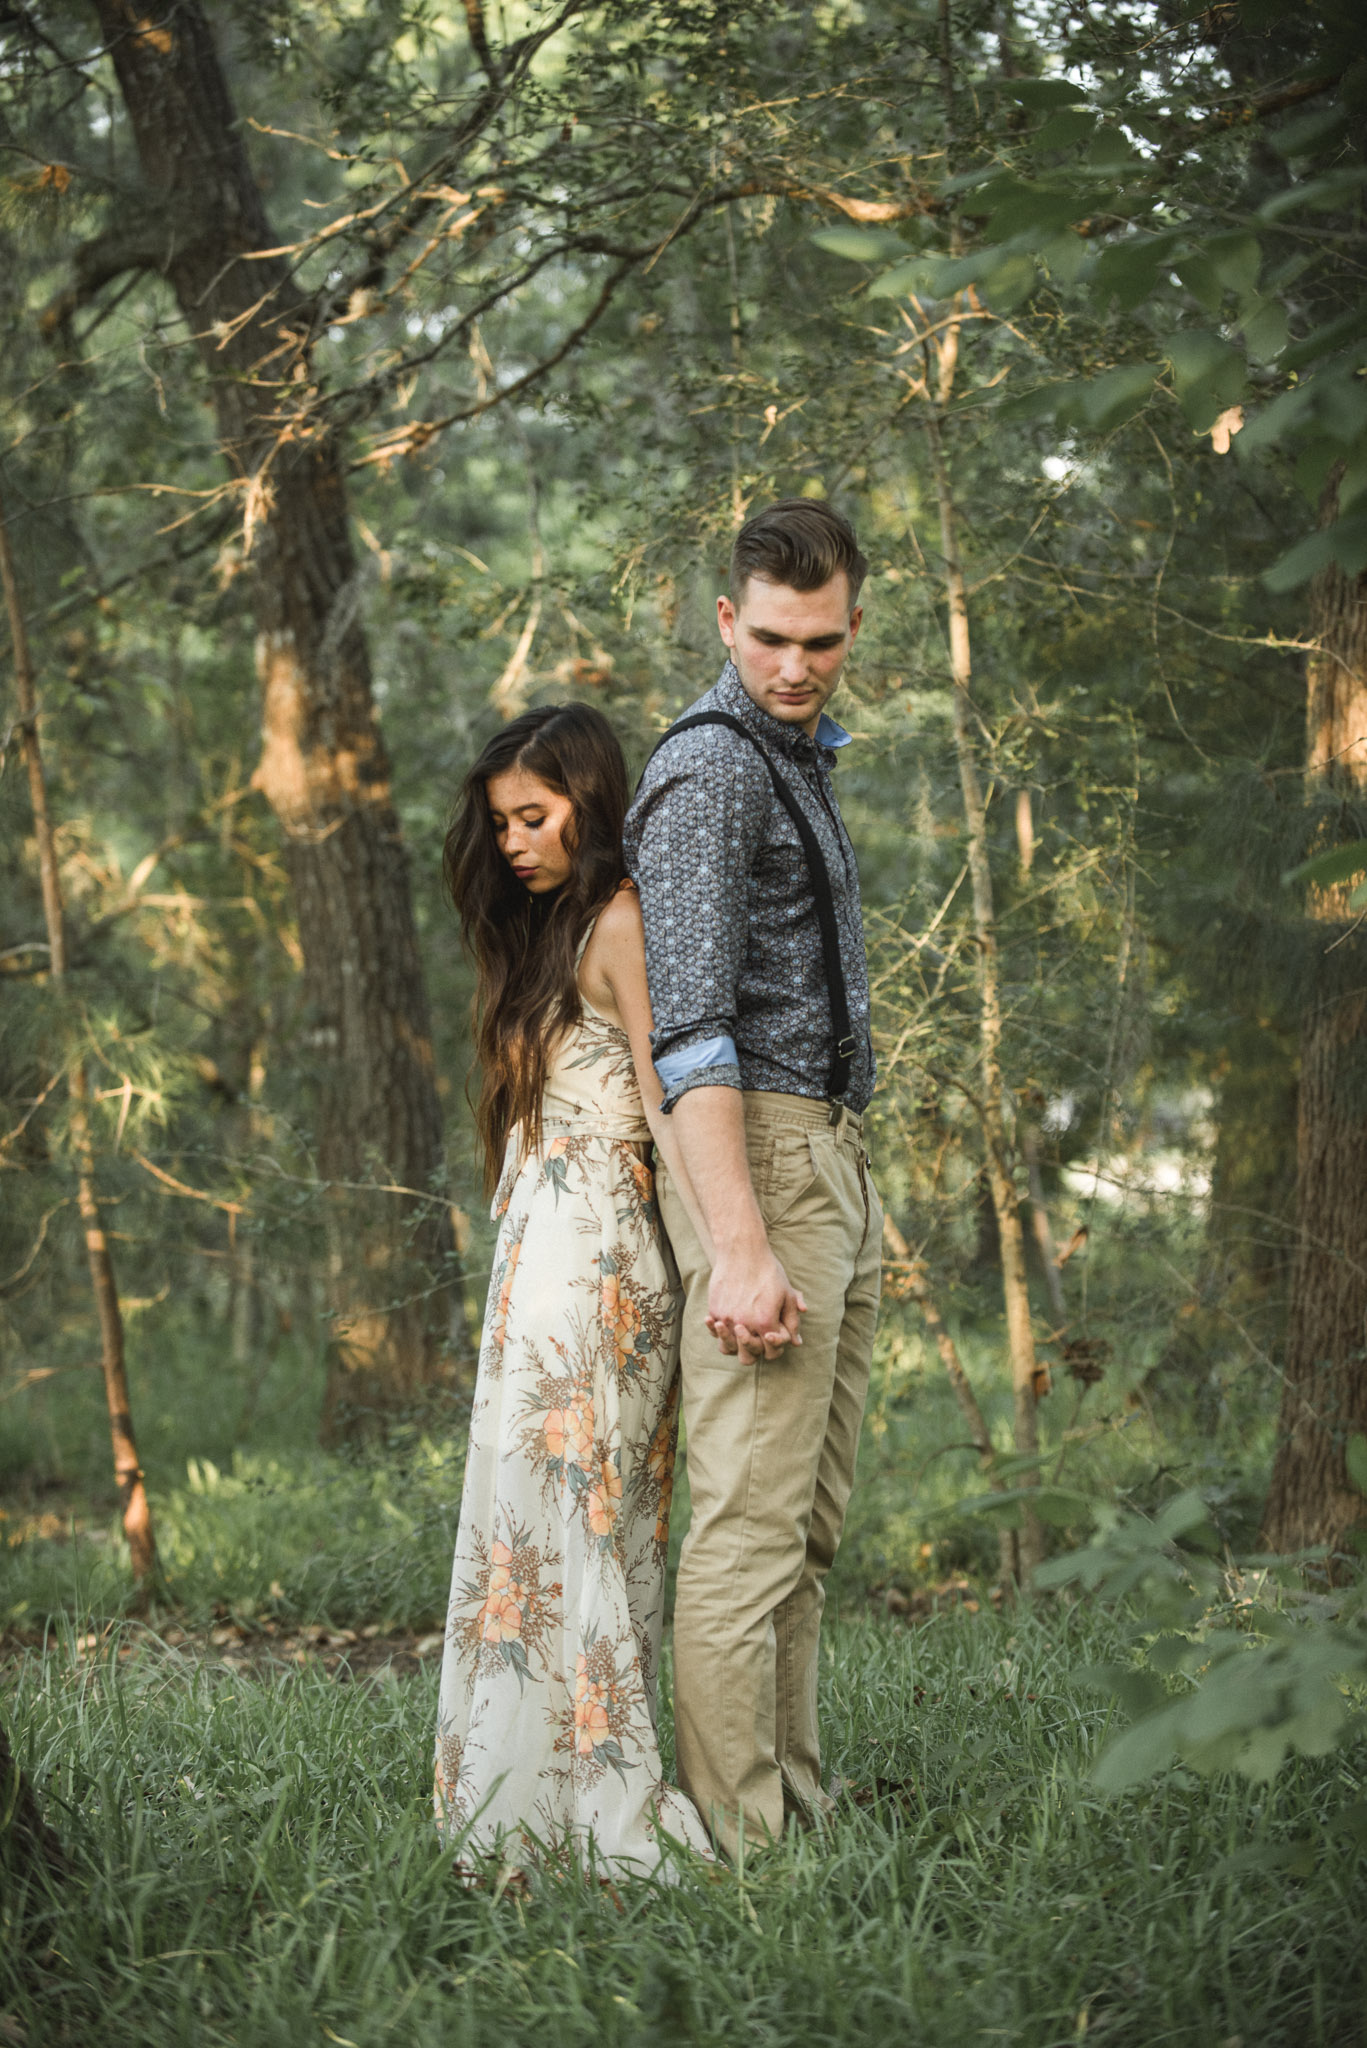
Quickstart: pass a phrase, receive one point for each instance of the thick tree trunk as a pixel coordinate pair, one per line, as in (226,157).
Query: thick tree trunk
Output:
(1324,1400)
(323,768)
(137,1512)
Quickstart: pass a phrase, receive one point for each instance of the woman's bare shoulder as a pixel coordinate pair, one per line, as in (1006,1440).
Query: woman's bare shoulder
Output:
(617,947)
(619,921)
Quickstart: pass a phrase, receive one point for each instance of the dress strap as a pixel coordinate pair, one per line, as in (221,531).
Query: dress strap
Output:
(584,944)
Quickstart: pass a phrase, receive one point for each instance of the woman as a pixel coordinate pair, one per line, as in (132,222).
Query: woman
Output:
(546,1732)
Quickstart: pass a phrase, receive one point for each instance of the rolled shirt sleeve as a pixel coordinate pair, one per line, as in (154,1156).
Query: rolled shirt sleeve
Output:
(692,836)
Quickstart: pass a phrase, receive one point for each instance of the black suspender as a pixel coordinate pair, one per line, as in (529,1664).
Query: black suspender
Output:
(843,1055)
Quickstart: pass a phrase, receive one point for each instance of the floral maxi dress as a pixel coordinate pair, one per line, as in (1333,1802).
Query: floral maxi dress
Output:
(546,1729)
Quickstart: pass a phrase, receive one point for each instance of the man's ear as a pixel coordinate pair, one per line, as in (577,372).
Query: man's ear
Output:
(855,617)
(726,620)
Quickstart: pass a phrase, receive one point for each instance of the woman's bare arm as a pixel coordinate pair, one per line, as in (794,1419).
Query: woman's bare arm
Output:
(612,974)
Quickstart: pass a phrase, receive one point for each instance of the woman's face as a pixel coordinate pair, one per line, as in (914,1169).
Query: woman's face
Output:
(529,821)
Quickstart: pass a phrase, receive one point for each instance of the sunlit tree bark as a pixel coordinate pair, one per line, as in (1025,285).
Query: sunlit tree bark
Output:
(323,769)
(1311,1499)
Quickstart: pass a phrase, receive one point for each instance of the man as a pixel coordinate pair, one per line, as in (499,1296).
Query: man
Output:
(780,1305)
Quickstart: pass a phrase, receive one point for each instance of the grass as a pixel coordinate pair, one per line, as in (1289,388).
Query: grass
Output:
(253,1860)
(254,1865)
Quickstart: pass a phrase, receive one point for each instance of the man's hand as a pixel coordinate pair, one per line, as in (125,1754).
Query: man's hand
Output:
(752,1308)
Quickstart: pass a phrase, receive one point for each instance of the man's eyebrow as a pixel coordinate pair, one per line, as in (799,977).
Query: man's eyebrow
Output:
(783,639)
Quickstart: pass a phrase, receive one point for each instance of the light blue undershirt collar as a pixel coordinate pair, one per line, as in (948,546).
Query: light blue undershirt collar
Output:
(829,734)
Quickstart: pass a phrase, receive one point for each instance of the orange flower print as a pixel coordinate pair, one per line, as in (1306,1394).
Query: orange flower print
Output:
(604,1499)
(591,1701)
(644,1178)
(500,1618)
(623,1320)
(498,1331)
(569,1432)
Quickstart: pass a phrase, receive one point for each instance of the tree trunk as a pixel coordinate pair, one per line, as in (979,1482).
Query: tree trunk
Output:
(137,1512)
(324,768)
(991,1101)
(1311,1499)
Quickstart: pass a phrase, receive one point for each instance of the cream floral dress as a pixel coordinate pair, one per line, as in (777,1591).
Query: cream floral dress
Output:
(546,1729)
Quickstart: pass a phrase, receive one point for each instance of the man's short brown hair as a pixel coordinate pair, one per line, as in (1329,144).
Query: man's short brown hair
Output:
(800,542)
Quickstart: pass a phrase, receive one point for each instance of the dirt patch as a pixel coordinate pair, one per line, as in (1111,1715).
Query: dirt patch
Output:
(265,1651)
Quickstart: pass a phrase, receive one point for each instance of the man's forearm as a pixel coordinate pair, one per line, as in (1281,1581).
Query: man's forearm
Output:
(709,1129)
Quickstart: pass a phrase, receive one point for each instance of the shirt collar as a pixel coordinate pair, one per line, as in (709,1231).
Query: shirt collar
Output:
(791,739)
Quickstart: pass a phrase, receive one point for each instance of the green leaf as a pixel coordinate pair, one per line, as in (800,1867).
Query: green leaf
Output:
(1299,563)
(1322,341)
(1355,1457)
(1334,189)
(1064,129)
(1341,407)
(1044,402)
(939,277)
(860,245)
(1276,419)
(1029,210)
(1345,542)
(1064,256)
(1313,465)
(1207,374)
(1348,543)
(1061,1507)
(1110,399)
(1201,278)
(1353,482)
(1043,93)
(1331,867)
(1111,151)
(1135,1755)
(1195,354)
(1238,259)
(1185,1515)
(1299,137)
(1010,284)
(1264,327)
(916,276)
(968,181)
(1128,271)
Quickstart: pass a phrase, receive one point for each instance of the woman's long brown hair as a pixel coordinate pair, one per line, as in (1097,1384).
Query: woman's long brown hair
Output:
(523,945)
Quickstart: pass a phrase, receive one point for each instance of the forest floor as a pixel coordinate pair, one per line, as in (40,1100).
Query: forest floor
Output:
(245,1808)
(241,1782)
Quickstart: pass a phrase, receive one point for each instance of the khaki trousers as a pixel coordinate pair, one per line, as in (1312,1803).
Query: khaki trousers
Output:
(771,1452)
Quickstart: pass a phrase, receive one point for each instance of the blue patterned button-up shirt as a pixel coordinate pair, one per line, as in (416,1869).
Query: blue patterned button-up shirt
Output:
(733,948)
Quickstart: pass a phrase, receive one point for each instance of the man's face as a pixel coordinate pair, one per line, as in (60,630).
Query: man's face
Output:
(789,646)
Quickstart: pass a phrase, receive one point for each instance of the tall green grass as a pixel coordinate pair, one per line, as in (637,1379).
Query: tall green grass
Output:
(274,1526)
(254,1864)
(310,1537)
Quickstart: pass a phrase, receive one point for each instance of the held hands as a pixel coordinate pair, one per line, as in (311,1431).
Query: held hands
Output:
(753,1311)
